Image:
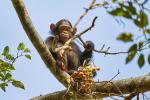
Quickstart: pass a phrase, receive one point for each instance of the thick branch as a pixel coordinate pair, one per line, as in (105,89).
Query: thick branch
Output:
(106,89)
(38,42)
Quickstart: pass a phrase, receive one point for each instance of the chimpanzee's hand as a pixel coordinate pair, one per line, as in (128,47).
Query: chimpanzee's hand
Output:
(89,46)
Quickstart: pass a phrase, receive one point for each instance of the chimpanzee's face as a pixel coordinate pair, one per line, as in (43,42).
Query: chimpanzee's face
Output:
(64,31)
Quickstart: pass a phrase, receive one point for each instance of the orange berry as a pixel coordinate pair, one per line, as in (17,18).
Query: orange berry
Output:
(81,73)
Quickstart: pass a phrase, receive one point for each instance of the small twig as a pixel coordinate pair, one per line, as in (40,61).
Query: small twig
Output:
(145,96)
(68,89)
(145,1)
(16,57)
(138,98)
(130,96)
(100,5)
(115,76)
(66,45)
(86,11)
(89,28)
(117,89)
(102,47)
(111,78)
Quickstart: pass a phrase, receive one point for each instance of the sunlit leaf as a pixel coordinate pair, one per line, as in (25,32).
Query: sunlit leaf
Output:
(27,50)
(125,37)
(133,48)
(3,86)
(132,52)
(117,12)
(5,51)
(21,46)
(149,58)
(114,1)
(137,23)
(18,84)
(144,19)
(131,8)
(141,61)
(123,11)
(28,56)
(130,56)
(8,76)
(10,57)
(2,76)
(140,44)
(147,31)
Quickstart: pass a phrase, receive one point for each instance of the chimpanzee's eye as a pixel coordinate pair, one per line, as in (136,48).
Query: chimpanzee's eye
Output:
(64,28)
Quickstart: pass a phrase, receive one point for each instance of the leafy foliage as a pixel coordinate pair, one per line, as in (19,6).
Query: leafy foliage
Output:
(6,66)
(142,20)
(125,37)
(134,11)
(141,61)
(132,52)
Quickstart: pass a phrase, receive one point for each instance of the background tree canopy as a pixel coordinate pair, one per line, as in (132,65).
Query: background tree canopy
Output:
(126,22)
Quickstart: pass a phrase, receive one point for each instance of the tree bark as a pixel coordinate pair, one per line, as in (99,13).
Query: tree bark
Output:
(38,43)
(106,89)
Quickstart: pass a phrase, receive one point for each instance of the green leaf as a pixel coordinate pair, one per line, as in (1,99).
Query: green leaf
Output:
(2,76)
(5,51)
(1,61)
(122,11)
(114,1)
(28,56)
(137,23)
(8,76)
(125,37)
(131,8)
(140,44)
(27,50)
(21,46)
(143,19)
(133,48)
(141,61)
(3,86)
(147,31)
(117,12)
(130,56)
(10,57)
(149,58)
(132,52)
(18,84)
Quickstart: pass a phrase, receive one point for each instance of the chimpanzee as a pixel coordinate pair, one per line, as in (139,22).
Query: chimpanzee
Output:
(69,59)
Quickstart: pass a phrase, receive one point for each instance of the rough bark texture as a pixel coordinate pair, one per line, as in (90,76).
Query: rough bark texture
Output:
(38,42)
(106,89)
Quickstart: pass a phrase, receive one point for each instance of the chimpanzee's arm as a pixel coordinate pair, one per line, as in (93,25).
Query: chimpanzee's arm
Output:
(88,52)
(49,41)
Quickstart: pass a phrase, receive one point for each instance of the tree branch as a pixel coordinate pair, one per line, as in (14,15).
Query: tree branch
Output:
(38,43)
(126,86)
(86,11)
(66,45)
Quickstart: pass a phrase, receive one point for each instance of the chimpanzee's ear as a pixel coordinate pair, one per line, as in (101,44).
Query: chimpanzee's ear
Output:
(52,27)
(73,30)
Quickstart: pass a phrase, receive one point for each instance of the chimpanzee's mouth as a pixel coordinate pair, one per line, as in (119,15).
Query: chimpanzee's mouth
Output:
(65,36)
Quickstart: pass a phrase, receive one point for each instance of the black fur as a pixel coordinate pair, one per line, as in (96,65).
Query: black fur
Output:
(72,58)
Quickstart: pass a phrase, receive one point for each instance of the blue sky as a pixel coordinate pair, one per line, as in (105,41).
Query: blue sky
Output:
(34,74)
